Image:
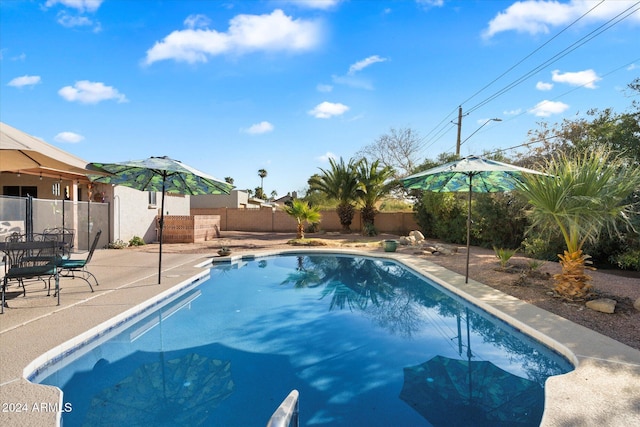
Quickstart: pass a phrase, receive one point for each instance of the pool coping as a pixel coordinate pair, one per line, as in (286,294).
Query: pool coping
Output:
(603,389)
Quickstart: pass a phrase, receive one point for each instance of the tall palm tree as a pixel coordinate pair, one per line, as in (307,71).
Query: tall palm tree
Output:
(262,173)
(584,195)
(374,182)
(339,183)
(303,213)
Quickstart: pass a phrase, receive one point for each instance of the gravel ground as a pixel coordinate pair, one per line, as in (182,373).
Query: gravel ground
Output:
(623,287)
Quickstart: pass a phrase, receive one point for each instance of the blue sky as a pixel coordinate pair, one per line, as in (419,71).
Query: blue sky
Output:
(231,87)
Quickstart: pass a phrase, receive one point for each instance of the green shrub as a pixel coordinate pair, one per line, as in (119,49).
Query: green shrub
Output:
(136,241)
(629,260)
(540,247)
(443,216)
(118,244)
(498,220)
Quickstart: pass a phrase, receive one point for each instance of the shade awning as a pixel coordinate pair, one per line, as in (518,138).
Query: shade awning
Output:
(24,153)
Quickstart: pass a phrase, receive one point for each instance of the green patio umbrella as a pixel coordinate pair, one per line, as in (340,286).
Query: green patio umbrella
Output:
(161,174)
(471,174)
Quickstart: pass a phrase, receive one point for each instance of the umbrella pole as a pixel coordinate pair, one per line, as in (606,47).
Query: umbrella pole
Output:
(466,277)
(161,227)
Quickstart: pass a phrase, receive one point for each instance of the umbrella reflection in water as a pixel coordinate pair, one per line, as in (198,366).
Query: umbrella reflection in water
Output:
(180,391)
(454,392)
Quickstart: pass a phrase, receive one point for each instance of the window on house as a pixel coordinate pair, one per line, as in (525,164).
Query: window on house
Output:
(152,198)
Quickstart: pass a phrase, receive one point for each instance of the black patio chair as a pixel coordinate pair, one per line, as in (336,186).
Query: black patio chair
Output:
(69,267)
(65,235)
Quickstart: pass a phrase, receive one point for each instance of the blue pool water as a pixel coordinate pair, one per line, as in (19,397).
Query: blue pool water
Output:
(365,341)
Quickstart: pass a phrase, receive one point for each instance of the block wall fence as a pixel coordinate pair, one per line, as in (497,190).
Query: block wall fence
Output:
(277,221)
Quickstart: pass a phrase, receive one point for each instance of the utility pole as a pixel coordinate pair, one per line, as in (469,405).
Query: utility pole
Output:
(459,130)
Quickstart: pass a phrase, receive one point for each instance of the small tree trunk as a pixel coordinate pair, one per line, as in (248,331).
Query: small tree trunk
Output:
(300,234)
(572,282)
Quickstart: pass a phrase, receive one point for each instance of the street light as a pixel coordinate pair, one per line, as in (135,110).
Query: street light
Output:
(474,132)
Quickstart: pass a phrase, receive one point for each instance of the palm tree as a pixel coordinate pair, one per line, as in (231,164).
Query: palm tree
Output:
(373,184)
(262,173)
(584,195)
(303,213)
(339,183)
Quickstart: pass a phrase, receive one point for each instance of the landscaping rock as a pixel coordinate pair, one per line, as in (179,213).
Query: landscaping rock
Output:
(636,304)
(604,305)
(405,241)
(418,236)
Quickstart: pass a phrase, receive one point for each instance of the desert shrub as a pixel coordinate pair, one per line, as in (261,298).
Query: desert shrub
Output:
(118,244)
(136,241)
(498,220)
(629,260)
(443,216)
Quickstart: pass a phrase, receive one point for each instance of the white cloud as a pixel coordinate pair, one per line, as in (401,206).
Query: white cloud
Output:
(544,86)
(80,5)
(324,88)
(246,33)
(87,92)
(512,112)
(315,4)
(69,21)
(68,137)
(431,3)
(632,67)
(353,81)
(197,21)
(547,108)
(258,128)
(538,16)
(586,78)
(326,110)
(326,156)
(25,81)
(365,63)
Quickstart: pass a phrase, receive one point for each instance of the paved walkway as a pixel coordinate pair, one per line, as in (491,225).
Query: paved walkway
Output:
(603,390)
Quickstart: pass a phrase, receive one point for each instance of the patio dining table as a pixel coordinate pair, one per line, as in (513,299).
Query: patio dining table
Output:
(32,249)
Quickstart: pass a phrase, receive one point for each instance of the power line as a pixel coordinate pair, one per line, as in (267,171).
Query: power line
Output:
(557,97)
(604,27)
(440,130)
(532,53)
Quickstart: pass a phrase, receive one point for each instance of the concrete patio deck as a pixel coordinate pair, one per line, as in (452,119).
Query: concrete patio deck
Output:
(604,389)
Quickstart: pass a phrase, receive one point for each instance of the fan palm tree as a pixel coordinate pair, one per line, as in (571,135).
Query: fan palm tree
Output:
(303,213)
(339,183)
(262,173)
(373,184)
(583,196)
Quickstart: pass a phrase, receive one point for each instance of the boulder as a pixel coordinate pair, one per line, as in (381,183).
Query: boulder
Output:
(604,305)
(636,304)
(404,240)
(418,236)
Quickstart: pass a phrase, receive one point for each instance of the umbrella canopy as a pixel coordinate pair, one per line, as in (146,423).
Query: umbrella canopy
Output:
(179,391)
(470,174)
(451,392)
(21,152)
(161,174)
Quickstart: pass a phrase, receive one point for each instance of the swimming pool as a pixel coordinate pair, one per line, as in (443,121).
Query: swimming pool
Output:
(365,341)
